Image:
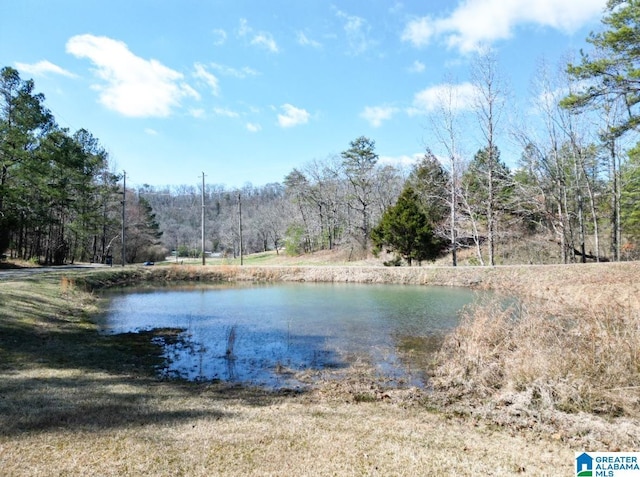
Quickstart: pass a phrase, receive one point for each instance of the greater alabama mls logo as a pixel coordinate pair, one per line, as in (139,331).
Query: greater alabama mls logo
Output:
(584,465)
(607,464)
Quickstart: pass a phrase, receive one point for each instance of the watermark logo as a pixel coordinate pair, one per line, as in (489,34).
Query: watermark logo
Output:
(584,465)
(607,464)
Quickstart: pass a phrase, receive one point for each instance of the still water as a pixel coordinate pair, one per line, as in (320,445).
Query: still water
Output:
(286,335)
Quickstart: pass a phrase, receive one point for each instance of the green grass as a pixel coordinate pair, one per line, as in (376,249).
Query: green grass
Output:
(260,258)
(253,259)
(47,322)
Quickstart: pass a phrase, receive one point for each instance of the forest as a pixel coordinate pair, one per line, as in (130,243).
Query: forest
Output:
(572,196)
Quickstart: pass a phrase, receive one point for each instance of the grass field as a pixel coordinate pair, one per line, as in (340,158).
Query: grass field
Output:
(74,402)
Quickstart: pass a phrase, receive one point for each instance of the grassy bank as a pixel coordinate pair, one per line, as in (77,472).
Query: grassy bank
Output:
(73,402)
(573,285)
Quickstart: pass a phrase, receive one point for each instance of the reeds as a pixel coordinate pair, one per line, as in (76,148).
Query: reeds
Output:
(571,360)
(66,284)
(231,342)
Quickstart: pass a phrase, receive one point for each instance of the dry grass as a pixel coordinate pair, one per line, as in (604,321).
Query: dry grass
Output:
(73,402)
(587,360)
(94,424)
(565,357)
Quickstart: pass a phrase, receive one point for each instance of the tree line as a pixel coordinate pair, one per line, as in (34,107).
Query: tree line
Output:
(572,196)
(59,199)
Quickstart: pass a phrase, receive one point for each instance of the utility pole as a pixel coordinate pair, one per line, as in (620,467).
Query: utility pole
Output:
(240,226)
(124,196)
(202,219)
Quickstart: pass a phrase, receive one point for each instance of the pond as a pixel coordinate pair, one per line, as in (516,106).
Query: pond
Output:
(288,334)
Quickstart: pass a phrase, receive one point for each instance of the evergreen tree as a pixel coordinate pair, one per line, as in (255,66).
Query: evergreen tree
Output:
(143,233)
(406,230)
(23,121)
(611,72)
(359,162)
(487,187)
(476,179)
(430,182)
(631,196)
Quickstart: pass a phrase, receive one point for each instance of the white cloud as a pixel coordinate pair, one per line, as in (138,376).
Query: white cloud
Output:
(357,32)
(253,127)
(244,29)
(265,40)
(150,131)
(475,23)
(220,37)
(210,79)
(197,113)
(41,68)
(131,85)
(402,160)
(261,38)
(419,31)
(243,72)
(375,115)
(304,40)
(292,116)
(417,67)
(227,113)
(457,97)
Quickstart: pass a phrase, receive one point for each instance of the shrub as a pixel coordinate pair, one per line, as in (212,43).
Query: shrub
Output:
(294,240)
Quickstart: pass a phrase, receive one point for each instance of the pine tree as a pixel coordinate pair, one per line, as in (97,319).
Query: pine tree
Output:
(487,186)
(406,230)
(630,202)
(23,121)
(359,162)
(611,72)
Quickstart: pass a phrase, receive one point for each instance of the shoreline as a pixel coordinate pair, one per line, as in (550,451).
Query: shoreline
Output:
(575,285)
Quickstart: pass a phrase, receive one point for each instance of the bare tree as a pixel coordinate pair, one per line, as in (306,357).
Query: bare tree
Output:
(446,126)
(489,104)
(565,166)
(612,145)
(544,160)
(328,196)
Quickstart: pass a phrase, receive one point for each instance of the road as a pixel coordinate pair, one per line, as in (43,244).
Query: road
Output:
(17,273)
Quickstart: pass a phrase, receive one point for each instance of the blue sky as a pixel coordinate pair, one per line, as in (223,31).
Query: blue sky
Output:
(245,91)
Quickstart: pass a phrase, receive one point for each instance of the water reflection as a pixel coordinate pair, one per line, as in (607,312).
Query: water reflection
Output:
(269,334)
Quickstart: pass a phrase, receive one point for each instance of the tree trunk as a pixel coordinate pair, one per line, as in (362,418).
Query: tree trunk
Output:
(580,212)
(490,213)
